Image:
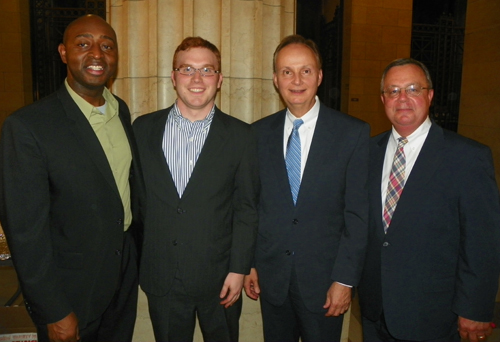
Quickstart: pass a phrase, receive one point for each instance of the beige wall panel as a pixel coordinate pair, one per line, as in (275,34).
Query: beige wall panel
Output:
(241,97)
(288,22)
(243,61)
(271,102)
(138,38)
(207,20)
(166,92)
(169,34)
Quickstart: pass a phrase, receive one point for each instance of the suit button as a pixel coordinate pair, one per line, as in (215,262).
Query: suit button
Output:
(118,252)
(174,242)
(180,211)
(295,221)
(287,252)
(385,244)
(119,221)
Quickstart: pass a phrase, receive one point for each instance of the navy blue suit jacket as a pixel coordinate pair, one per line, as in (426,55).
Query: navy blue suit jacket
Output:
(324,235)
(440,256)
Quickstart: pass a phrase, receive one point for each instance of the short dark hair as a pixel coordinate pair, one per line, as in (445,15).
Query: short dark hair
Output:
(194,42)
(406,61)
(297,39)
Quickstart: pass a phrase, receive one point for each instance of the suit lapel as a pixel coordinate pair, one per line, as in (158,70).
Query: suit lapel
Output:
(277,158)
(322,147)
(425,167)
(166,186)
(377,155)
(85,134)
(210,152)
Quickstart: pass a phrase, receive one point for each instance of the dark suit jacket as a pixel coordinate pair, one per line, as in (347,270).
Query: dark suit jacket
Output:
(61,209)
(324,235)
(440,256)
(211,230)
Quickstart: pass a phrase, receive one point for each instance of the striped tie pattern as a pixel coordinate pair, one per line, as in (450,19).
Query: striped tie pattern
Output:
(396,183)
(293,159)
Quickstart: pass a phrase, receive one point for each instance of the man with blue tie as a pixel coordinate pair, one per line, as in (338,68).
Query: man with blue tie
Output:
(313,207)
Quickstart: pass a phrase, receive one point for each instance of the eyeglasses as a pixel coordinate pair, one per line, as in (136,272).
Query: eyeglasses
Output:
(412,90)
(190,71)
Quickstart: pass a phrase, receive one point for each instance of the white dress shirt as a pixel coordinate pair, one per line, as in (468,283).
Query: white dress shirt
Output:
(412,150)
(306,132)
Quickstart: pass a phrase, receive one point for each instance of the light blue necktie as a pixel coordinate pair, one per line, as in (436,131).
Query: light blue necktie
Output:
(293,158)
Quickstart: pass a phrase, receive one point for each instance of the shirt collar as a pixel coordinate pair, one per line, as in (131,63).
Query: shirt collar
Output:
(87,108)
(182,122)
(423,129)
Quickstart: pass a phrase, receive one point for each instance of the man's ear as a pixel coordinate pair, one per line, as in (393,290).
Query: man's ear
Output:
(172,76)
(62,52)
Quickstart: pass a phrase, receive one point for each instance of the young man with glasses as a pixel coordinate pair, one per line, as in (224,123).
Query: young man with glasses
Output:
(432,264)
(201,177)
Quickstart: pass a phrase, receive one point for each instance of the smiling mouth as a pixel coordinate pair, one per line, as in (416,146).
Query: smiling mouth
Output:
(95,67)
(196,90)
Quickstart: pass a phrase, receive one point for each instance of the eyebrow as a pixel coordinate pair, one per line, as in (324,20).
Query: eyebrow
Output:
(409,84)
(307,66)
(204,66)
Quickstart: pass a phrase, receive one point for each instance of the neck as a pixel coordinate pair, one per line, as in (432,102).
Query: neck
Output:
(193,114)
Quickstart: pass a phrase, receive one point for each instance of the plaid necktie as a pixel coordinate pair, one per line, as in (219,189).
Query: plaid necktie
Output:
(396,183)
(293,159)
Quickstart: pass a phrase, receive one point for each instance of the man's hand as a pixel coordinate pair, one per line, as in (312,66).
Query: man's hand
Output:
(231,290)
(474,331)
(251,285)
(65,330)
(338,299)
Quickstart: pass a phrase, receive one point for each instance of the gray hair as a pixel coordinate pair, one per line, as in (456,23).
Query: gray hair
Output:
(406,61)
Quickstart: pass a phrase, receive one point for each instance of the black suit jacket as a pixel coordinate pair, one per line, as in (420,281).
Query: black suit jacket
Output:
(324,235)
(211,230)
(440,256)
(61,209)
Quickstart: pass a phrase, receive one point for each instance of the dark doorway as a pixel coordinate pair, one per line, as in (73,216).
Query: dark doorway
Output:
(438,42)
(311,24)
(48,19)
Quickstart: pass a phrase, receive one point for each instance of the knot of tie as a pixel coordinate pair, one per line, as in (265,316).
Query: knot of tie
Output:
(402,142)
(297,123)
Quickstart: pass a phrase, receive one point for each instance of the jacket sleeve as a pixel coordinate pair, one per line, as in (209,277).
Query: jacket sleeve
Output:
(24,213)
(350,258)
(479,218)
(245,219)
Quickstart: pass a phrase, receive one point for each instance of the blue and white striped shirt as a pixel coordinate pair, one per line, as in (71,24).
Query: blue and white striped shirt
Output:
(182,144)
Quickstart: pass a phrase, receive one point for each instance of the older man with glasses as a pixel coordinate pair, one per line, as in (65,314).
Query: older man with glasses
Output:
(432,264)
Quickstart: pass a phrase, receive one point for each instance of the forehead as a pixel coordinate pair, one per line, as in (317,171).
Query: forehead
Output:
(196,56)
(91,26)
(296,55)
(404,75)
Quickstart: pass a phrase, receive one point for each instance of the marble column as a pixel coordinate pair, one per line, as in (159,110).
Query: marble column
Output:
(245,31)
